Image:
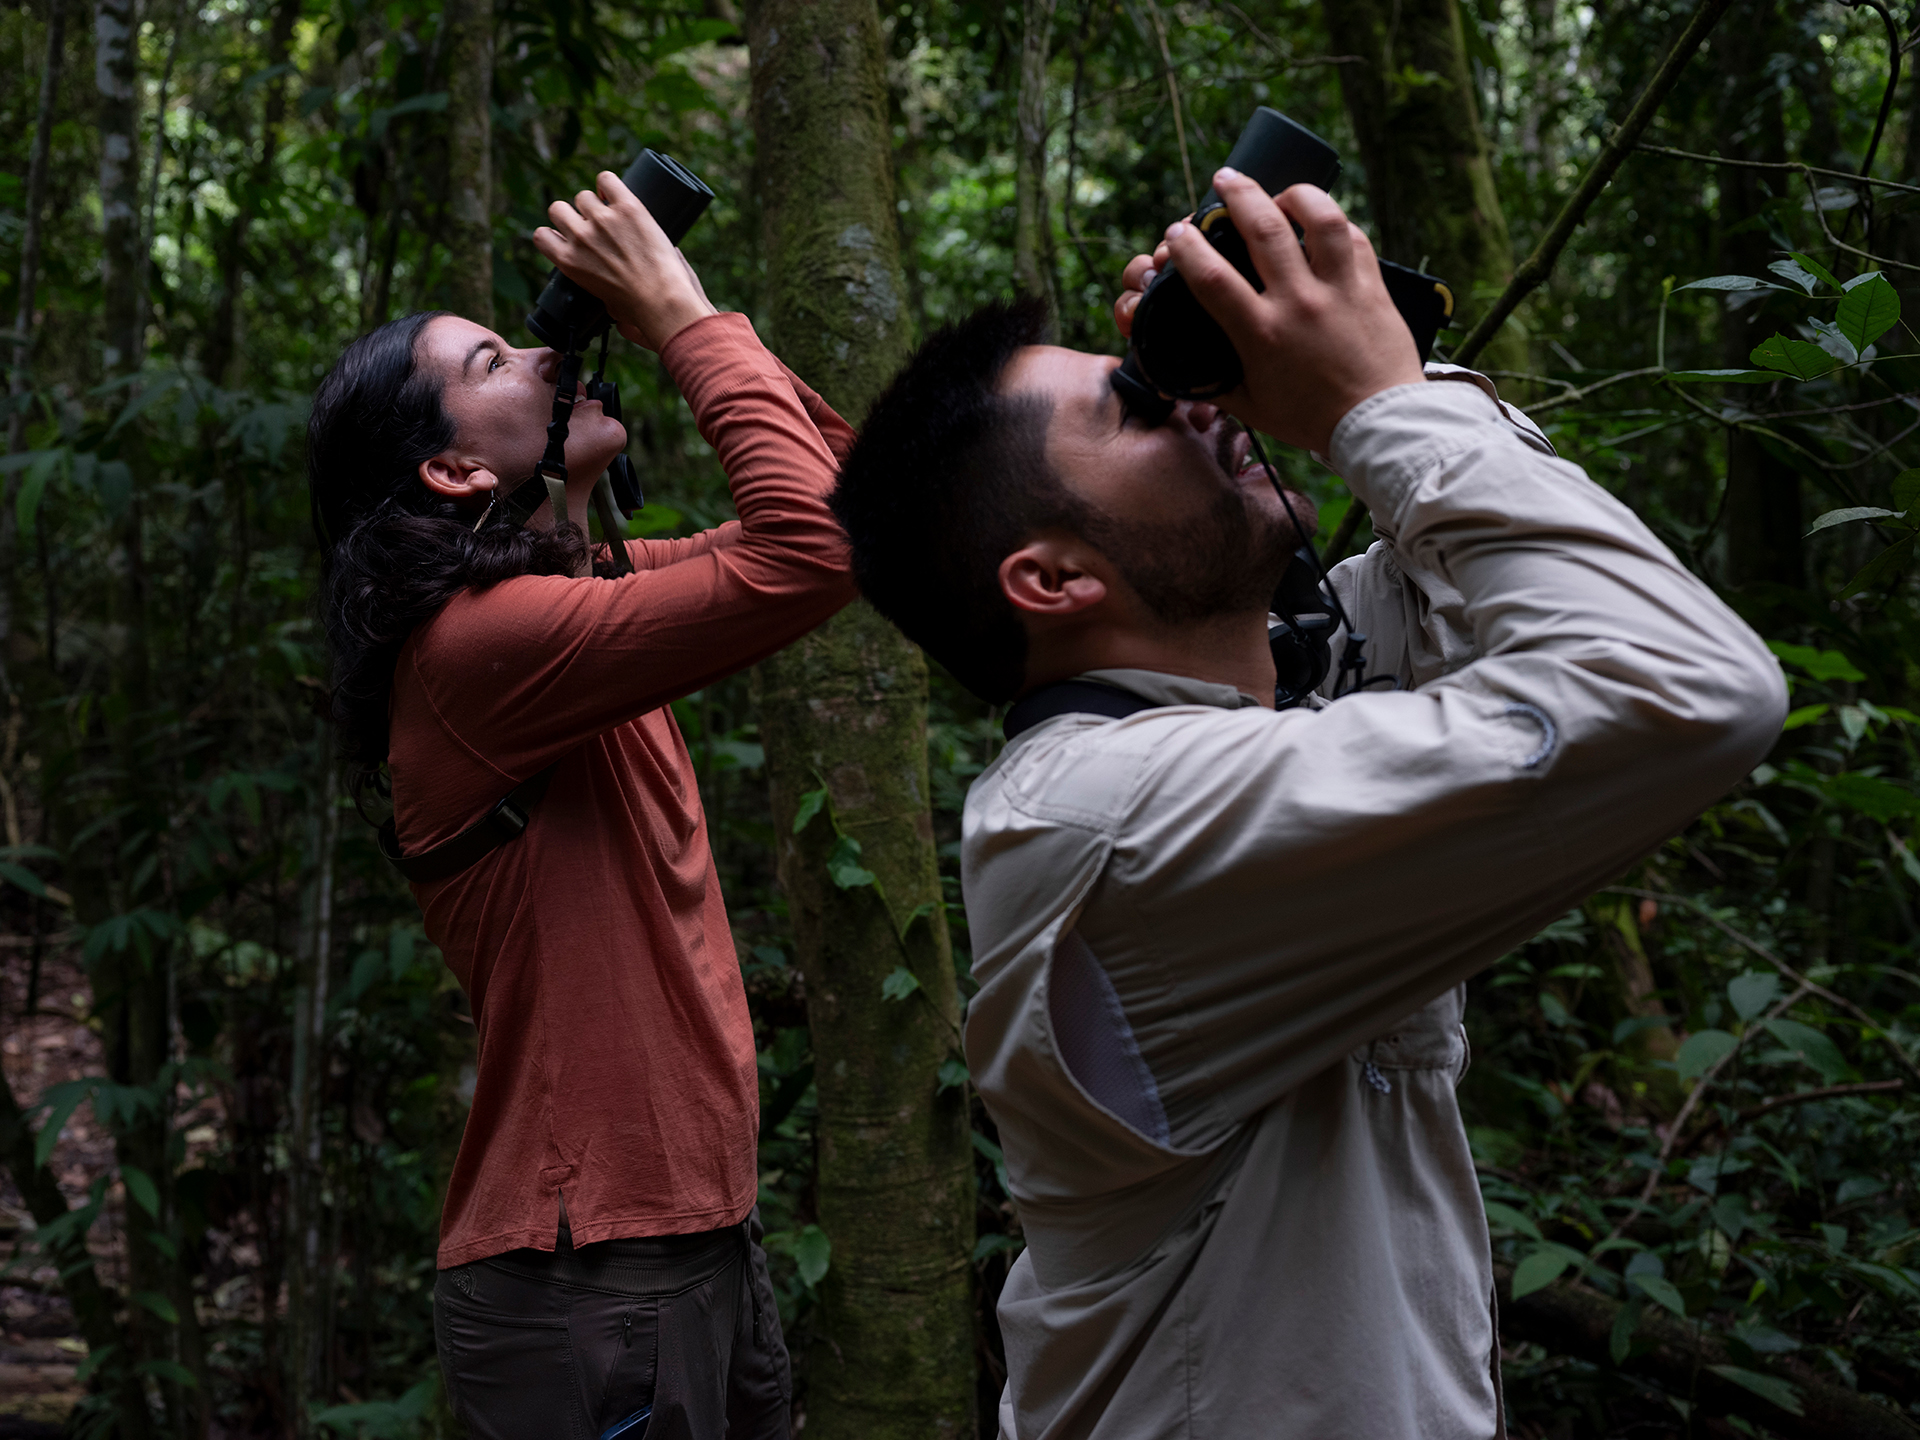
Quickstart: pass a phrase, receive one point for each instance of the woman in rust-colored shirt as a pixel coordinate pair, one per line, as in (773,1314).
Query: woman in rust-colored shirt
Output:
(597,1255)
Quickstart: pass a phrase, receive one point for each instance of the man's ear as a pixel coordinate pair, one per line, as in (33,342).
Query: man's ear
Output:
(1054,577)
(447,474)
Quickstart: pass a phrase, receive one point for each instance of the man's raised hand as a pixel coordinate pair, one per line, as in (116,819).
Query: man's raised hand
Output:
(607,242)
(1323,336)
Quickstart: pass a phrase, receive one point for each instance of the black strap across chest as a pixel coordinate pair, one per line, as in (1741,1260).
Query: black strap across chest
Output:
(504,822)
(1074,697)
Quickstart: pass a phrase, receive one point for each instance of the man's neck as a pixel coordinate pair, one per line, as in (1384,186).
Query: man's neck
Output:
(1231,650)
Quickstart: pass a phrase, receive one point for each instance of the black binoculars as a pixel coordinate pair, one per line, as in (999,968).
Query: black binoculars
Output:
(1178,350)
(567,318)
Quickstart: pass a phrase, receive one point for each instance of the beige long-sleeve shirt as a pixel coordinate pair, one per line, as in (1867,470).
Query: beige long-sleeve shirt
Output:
(1221,949)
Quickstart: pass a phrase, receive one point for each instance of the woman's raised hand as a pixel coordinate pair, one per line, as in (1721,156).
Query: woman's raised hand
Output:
(606,242)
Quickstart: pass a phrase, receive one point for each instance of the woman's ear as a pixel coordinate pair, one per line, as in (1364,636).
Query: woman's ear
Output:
(1055,577)
(447,474)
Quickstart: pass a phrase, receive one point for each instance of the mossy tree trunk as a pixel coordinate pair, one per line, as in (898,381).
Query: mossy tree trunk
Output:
(1429,170)
(844,711)
(469,44)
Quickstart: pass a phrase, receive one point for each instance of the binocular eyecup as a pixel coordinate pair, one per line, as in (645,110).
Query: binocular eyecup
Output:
(568,318)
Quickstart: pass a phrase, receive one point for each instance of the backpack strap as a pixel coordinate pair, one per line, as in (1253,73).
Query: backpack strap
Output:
(1071,697)
(502,823)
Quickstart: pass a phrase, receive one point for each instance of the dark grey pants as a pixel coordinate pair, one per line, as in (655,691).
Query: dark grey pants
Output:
(536,1345)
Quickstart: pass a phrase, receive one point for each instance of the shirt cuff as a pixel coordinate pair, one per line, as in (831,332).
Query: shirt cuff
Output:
(1387,441)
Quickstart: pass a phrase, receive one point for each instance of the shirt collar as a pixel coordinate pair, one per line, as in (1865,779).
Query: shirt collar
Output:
(1165,689)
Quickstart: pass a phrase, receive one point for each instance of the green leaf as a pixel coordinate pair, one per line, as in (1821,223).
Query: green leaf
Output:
(1850,514)
(900,984)
(156,1302)
(843,865)
(1702,1050)
(1511,1221)
(1727,377)
(1767,1387)
(1815,268)
(95,1359)
(1753,992)
(1540,1269)
(1884,568)
(27,502)
(1879,799)
(1801,359)
(1811,1046)
(170,1370)
(1805,715)
(953,1073)
(1728,282)
(813,1253)
(141,1187)
(1868,311)
(1661,1291)
(61,1101)
(1832,339)
(23,877)
(1620,1343)
(1798,274)
(811,805)
(1906,490)
(1820,664)
(990,1245)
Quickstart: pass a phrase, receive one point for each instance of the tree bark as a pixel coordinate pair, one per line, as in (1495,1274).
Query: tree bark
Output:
(221,349)
(1429,171)
(1030,270)
(1579,1323)
(115,51)
(845,709)
(18,386)
(309,1262)
(469,226)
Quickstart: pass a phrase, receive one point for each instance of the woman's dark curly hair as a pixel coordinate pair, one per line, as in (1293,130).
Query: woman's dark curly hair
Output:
(392,551)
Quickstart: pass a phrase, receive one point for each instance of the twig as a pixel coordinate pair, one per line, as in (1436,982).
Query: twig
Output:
(1173,92)
(1700,1088)
(1534,270)
(1668,150)
(1874,1028)
(1286,55)
(1886,103)
(1825,1092)
(1572,396)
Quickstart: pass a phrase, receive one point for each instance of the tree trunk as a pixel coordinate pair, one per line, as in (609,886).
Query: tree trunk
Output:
(845,710)
(1763,514)
(470,159)
(1030,269)
(309,1261)
(115,41)
(222,343)
(18,385)
(1429,173)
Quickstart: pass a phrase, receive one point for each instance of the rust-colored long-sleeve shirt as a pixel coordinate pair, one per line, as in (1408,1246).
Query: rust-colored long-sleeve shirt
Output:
(616,1059)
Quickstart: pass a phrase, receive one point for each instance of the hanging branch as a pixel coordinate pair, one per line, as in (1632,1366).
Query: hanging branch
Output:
(1173,93)
(1535,269)
(1886,105)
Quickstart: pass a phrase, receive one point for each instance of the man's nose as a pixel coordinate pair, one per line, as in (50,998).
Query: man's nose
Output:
(1200,415)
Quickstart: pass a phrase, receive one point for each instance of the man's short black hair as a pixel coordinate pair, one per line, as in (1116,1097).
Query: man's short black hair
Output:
(948,478)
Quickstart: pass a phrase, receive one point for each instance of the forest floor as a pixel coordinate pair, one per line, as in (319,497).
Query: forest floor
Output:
(40,1348)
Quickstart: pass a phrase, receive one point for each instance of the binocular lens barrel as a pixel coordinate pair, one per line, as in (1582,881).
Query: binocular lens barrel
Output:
(568,318)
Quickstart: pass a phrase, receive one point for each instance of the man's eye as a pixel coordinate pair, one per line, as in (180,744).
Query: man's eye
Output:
(494,364)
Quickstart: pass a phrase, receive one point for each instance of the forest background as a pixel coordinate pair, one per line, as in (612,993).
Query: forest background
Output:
(235,1069)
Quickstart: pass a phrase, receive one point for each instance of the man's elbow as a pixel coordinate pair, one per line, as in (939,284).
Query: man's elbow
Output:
(1747,712)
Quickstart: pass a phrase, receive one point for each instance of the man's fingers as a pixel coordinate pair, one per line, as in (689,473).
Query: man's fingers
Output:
(1324,227)
(1216,284)
(1270,241)
(613,189)
(1134,276)
(590,205)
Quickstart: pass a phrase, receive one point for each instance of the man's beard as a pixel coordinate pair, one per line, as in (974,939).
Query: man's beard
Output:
(1227,560)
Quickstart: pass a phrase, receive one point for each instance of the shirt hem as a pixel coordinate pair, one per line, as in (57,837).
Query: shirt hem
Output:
(632,1228)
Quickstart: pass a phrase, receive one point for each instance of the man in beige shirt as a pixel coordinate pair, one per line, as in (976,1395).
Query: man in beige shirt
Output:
(1221,948)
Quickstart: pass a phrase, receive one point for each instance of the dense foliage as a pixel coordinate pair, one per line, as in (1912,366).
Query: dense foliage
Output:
(1692,1099)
